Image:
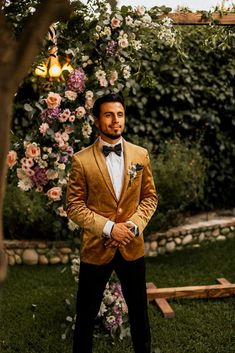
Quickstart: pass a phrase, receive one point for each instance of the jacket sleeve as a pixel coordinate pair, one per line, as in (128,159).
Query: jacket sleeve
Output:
(76,207)
(148,198)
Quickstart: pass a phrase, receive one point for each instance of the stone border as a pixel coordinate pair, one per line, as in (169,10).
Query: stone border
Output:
(192,235)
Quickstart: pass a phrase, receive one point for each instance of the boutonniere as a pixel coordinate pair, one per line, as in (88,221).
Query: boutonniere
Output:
(133,169)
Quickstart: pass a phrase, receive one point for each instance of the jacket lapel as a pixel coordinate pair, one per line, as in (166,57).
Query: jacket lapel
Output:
(127,163)
(100,160)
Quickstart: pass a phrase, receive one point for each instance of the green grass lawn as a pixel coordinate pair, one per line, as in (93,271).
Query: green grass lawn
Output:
(200,326)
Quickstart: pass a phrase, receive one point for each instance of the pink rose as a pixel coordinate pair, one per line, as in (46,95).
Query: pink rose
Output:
(103,82)
(54,193)
(115,22)
(43,128)
(53,100)
(32,150)
(80,111)
(65,136)
(11,158)
(63,117)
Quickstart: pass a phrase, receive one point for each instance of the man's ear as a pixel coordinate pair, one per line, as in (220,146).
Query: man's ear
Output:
(96,121)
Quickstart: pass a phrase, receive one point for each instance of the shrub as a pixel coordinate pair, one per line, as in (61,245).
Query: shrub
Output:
(180,173)
(26,216)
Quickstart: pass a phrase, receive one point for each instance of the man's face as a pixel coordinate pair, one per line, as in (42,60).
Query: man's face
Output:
(111,121)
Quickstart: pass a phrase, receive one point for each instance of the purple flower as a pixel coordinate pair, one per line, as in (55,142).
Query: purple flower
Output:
(39,178)
(49,115)
(69,150)
(64,159)
(111,48)
(76,81)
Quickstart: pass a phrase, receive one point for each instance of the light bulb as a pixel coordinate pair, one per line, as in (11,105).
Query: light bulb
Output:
(67,67)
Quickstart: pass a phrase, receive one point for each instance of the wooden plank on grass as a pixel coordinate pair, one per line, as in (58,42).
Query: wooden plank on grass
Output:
(162,303)
(211,291)
(222,281)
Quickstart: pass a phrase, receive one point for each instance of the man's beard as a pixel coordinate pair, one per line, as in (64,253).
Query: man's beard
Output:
(112,136)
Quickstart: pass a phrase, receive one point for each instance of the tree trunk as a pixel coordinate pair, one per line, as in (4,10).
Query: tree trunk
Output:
(6,98)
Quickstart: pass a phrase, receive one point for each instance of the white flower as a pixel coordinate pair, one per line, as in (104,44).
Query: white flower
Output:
(110,319)
(71,95)
(103,309)
(85,58)
(98,28)
(136,44)
(100,74)
(126,71)
(89,95)
(140,10)
(146,18)
(129,20)
(71,225)
(86,130)
(25,184)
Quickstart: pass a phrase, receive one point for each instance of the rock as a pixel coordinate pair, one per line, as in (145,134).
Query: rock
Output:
(153,245)
(64,259)
(230,235)
(42,251)
(43,260)
(19,251)
(187,240)
(10,252)
(65,250)
(161,251)
(30,257)
(178,241)
(42,245)
(152,253)
(224,231)
(170,247)
(11,260)
(146,247)
(54,260)
(221,238)
(162,242)
(18,259)
(201,237)
(215,232)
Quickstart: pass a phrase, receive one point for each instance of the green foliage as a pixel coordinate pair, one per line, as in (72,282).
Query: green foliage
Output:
(180,174)
(26,216)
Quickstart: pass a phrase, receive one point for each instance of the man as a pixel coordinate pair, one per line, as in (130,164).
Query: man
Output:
(111,195)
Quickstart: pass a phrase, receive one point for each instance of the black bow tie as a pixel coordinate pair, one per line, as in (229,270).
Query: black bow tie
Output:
(116,149)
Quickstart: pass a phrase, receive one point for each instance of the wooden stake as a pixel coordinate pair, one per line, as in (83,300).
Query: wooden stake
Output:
(162,303)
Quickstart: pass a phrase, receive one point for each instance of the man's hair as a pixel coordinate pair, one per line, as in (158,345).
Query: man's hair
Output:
(112,97)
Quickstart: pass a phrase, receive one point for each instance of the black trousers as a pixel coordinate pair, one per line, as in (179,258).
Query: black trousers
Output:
(92,282)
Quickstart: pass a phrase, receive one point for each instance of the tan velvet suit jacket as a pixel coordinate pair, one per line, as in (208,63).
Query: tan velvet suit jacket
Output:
(91,200)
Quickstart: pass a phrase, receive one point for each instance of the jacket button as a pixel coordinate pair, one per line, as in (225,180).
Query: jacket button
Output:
(119,211)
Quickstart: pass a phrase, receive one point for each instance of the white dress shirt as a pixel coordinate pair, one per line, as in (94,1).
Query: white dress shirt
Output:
(115,165)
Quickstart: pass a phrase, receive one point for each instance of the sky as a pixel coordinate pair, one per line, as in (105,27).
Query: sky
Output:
(192,4)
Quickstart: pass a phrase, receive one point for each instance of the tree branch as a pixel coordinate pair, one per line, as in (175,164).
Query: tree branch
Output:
(47,12)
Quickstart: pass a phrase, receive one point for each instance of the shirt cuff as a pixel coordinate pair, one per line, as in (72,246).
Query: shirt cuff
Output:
(108,229)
